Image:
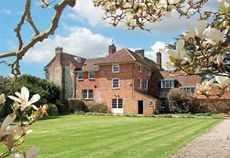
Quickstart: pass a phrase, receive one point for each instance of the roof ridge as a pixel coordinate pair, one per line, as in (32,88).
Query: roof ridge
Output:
(127,50)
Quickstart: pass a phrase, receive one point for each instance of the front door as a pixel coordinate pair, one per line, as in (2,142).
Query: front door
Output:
(117,106)
(140,107)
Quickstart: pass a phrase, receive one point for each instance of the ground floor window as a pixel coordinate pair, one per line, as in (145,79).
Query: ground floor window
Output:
(117,103)
(87,94)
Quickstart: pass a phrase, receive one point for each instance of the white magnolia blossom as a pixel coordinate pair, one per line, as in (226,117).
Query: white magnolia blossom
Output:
(205,86)
(220,59)
(178,54)
(225,5)
(31,153)
(198,32)
(164,3)
(213,36)
(222,81)
(6,129)
(23,98)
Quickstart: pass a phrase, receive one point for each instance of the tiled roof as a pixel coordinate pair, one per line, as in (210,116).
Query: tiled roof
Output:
(117,57)
(214,94)
(89,65)
(126,56)
(183,79)
(68,58)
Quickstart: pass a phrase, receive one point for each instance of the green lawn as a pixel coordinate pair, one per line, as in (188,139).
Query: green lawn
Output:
(76,136)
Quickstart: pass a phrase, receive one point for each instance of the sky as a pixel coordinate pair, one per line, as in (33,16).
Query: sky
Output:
(82,32)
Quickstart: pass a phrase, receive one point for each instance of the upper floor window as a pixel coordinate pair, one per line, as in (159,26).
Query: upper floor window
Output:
(167,84)
(115,83)
(87,94)
(149,72)
(139,83)
(80,76)
(146,84)
(115,68)
(188,90)
(139,68)
(91,75)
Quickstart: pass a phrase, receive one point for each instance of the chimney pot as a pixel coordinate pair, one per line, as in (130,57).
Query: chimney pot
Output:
(159,60)
(58,50)
(112,49)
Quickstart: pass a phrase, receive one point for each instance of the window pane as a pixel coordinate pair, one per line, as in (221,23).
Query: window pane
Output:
(115,83)
(90,93)
(192,90)
(115,68)
(91,75)
(120,103)
(139,83)
(80,75)
(114,103)
(84,94)
(139,68)
(146,85)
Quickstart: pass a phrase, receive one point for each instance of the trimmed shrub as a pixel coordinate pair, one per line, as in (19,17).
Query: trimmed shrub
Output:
(180,101)
(62,106)
(52,110)
(77,105)
(97,107)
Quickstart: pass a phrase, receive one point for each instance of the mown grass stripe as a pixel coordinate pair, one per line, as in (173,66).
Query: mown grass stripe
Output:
(111,136)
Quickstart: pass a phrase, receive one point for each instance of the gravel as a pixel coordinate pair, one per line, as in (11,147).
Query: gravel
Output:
(213,144)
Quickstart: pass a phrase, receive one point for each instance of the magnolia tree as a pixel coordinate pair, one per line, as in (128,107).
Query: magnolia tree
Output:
(197,50)
(12,136)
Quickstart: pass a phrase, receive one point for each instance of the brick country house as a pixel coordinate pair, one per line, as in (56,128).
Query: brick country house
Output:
(125,81)
(120,80)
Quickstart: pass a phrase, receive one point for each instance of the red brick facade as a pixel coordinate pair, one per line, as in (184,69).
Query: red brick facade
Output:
(132,96)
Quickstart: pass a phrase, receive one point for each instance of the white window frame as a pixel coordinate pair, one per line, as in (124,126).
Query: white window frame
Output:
(78,76)
(188,90)
(139,66)
(149,72)
(146,85)
(164,84)
(87,94)
(117,107)
(115,66)
(89,75)
(139,86)
(118,83)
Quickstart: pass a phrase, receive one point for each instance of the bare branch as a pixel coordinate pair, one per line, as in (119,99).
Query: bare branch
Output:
(38,37)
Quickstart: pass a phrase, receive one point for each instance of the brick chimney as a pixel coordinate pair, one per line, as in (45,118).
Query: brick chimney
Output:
(112,49)
(141,52)
(159,60)
(58,50)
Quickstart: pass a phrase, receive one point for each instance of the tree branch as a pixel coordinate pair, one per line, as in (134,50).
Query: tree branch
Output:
(38,37)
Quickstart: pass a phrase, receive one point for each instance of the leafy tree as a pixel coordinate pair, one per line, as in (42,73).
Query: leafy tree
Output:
(180,100)
(49,92)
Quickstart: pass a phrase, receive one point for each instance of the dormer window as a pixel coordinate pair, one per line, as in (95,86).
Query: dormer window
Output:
(115,68)
(167,83)
(80,76)
(91,75)
(189,90)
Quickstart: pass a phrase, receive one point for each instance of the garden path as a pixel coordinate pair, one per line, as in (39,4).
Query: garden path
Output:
(213,144)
